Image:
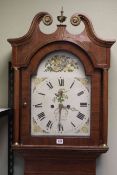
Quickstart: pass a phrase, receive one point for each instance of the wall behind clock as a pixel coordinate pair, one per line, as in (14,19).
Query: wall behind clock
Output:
(15,19)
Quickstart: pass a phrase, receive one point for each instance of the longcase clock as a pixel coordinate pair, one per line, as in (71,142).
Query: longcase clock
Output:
(60,98)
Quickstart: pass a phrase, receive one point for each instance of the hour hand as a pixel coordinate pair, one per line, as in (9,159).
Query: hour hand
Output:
(69,107)
(73,109)
(60,127)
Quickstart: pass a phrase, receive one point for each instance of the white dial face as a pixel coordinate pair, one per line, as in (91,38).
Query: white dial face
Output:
(60,97)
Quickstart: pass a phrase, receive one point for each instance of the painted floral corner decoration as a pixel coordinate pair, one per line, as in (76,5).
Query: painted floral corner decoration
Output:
(85,128)
(36,128)
(84,81)
(61,63)
(37,81)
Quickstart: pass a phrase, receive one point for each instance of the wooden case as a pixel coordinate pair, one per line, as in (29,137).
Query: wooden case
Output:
(78,154)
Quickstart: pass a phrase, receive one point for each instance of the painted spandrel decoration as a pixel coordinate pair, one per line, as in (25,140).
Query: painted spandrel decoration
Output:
(53,108)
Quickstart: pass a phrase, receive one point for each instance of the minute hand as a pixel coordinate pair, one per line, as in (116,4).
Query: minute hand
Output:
(60,127)
(60,109)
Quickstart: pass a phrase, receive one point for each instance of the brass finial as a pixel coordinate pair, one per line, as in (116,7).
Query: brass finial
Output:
(47,20)
(75,20)
(61,18)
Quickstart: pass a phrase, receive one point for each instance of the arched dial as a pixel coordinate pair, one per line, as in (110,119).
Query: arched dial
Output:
(60,99)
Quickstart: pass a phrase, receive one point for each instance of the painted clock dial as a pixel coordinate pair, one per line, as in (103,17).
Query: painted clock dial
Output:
(60,97)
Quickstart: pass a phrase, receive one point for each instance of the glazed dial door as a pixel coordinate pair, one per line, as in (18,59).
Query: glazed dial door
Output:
(60,97)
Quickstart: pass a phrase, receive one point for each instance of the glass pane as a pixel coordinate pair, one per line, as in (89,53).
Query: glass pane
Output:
(60,97)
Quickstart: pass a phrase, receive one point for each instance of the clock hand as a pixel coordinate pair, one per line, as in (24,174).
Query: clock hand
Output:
(60,108)
(60,127)
(68,107)
(73,109)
